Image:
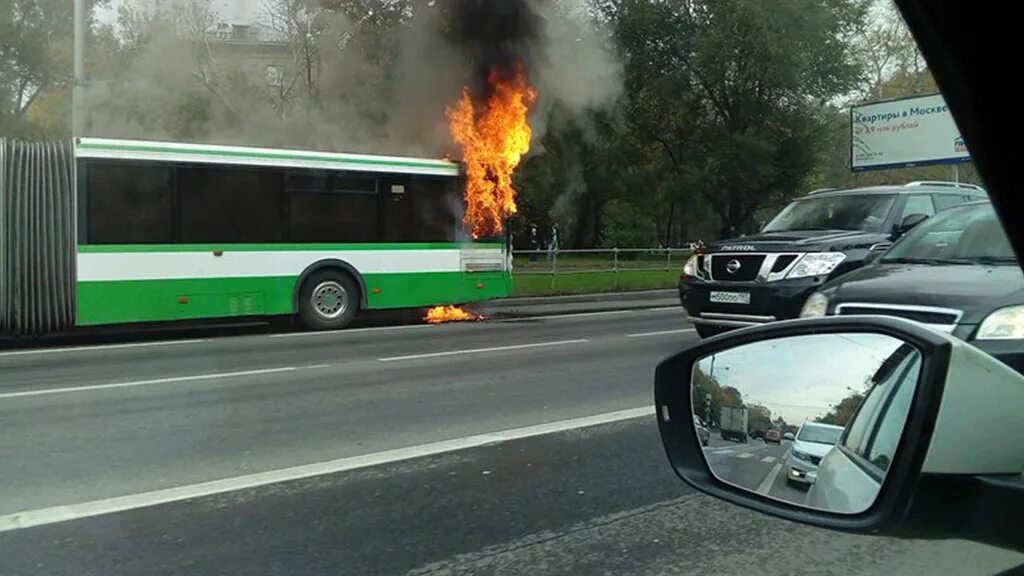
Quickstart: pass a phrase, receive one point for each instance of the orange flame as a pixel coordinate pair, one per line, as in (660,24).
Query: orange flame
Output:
(493,140)
(439,314)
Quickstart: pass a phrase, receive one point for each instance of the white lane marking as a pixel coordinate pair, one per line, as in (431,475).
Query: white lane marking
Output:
(769,478)
(662,332)
(100,347)
(171,380)
(484,350)
(579,315)
(726,451)
(768,459)
(665,309)
(353,330)
(745,455)
(41,516)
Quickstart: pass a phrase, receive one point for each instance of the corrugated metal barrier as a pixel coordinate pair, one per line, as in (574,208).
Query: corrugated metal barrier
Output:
(37,237)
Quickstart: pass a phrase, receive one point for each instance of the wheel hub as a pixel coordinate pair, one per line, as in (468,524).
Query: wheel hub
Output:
(330,299)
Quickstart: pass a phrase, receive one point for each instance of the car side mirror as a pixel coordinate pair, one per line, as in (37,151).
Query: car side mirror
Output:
(893,417)
(909,221)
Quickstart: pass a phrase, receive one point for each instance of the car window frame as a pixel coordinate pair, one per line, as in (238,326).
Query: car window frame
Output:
(958,199)
(906,202)
(868,467)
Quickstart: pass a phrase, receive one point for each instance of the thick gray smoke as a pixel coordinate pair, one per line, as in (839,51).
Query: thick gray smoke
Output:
(374,82)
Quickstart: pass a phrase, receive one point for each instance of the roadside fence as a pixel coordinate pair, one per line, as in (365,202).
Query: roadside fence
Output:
(612,261)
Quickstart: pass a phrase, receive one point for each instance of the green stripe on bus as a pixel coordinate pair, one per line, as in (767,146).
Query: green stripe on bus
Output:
(340,158)
(125,248)
(161,300)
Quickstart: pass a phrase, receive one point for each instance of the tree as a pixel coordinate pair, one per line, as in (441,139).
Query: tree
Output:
(759,417)
(705,385)
(728,91)
(35,66)
(886,50)
(842,412)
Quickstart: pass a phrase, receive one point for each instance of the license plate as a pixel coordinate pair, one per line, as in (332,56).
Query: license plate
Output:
(730,297)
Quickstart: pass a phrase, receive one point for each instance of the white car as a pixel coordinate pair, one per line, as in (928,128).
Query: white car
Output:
(812,442)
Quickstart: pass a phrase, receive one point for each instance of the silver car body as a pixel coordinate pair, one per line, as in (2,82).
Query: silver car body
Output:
(842,486)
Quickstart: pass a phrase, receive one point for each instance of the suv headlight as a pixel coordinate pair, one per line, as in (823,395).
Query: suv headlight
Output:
(1003,324)
(690,268)
(816,264)
(815,306)
(801,456)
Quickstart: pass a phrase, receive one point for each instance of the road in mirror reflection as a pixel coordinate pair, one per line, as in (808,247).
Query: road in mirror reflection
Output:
(775,410)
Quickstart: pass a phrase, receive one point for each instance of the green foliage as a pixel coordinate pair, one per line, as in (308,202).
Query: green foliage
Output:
(35,67)
(705,384)
(841,413)
(626,226)
(759,417)
(726,91)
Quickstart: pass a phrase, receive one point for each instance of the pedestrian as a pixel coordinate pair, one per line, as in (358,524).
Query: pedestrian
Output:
(534,242)
(553,241)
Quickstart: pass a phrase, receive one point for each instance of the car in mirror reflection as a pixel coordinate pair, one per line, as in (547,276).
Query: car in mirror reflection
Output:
(813,441)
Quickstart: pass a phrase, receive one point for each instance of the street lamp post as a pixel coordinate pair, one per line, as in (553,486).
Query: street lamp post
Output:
(77,88)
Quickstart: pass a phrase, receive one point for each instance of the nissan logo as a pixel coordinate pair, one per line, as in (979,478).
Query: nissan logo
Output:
(733,266)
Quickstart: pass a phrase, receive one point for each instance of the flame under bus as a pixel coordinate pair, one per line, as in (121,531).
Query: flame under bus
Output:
(170,231)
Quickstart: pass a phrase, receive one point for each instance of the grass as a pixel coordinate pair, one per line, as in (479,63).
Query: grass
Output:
(592,282)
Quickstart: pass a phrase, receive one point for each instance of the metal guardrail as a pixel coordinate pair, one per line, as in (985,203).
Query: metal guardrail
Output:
(598,260)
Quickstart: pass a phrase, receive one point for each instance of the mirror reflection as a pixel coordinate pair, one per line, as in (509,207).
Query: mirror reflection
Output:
(813,420)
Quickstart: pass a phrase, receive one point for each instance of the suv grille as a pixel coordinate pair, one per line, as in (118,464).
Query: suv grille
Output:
(924,315)
(749,266)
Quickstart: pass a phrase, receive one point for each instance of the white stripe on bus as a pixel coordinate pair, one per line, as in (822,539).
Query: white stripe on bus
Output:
(112,266)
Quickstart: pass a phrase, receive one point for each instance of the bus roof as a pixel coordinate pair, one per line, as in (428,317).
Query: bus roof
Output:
(240,155)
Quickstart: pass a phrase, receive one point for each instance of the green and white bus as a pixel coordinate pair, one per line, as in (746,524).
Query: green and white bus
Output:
(171,231)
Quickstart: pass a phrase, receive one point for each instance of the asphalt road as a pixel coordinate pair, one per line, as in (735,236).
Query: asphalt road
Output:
(512,447)
(754,465)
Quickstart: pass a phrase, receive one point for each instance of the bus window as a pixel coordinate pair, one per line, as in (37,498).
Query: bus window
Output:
(128,204)
(231,205)
(325,207)
(421,209)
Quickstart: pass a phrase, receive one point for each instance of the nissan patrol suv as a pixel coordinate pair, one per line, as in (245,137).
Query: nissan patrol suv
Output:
(767,276)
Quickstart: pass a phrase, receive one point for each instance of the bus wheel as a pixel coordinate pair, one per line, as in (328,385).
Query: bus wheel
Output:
(328,300)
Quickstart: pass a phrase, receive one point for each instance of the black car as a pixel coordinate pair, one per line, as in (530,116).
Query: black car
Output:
(956,273)
(768,276)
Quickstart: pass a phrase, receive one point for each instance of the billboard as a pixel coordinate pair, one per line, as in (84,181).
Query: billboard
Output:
(912,131)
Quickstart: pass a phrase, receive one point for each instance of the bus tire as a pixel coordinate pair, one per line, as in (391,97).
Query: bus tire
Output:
(328,300)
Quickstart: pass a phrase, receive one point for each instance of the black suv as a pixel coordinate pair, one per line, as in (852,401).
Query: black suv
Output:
(767,276)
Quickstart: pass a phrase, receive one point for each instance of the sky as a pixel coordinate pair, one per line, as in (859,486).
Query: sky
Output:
(799,377)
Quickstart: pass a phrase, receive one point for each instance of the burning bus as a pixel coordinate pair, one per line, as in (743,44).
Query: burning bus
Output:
(117,231)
